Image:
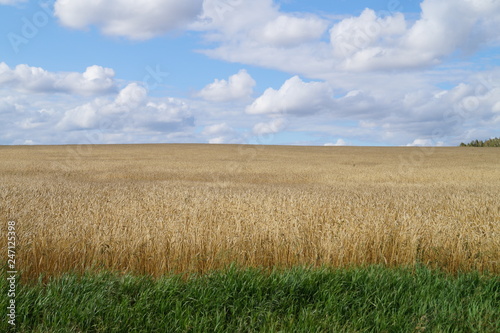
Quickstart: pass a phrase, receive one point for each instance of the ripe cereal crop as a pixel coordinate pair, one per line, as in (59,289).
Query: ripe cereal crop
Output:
(154,209)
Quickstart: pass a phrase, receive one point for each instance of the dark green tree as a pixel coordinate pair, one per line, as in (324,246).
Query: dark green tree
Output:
(494,142)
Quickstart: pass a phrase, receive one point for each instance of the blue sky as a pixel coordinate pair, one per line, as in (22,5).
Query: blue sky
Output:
(316,72)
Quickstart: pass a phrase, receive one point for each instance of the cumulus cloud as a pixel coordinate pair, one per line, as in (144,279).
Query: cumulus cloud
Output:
(294,97)
(365,43)
(358,103)
(258,33)
(354,33)
(369,42)
(10,109)
(131,96)
(355,101)
(432,115)
(257,22)
(239,86)
(424,143)
(131,109)
(22,119)
(222,133)
(340,142)
(286,30)
(231,19)
(132,19)
(356,39)
(95,80)
(272,127)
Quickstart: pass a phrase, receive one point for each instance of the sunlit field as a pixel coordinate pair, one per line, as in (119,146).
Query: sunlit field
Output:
(228,238)
(158,209)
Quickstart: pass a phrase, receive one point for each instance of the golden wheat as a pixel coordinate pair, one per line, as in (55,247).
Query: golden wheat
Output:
(182,208)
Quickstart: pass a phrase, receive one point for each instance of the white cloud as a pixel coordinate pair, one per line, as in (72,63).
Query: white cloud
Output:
(396,118)
(10,109)
(258,33)
(286,30)
(82,117)
(424,143)
(239,86)
(131,96)
(22,119)
(271,127)
(357,103)
(433,116)
(131,110)
(352,57)
(95,80)
(221,133)
(340,142)
(368,42)
(132,19)
(294,97)
(257,22)
(496,107)
(355,33)
(217,129)
(233,19)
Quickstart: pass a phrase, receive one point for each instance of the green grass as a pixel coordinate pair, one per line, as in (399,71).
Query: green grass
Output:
(371,299)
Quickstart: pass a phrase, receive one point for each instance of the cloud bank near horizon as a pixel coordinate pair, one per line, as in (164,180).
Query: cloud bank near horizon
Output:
(377,77)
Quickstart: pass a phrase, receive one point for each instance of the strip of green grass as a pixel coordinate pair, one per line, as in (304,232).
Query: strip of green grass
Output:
(371,299)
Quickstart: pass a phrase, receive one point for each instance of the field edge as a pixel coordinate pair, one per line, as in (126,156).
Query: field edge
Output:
(371,298)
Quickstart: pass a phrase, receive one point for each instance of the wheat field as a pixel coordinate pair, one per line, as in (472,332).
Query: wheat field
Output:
(154,209)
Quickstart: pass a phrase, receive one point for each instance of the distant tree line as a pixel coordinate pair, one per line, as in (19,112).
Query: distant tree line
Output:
(495,142)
